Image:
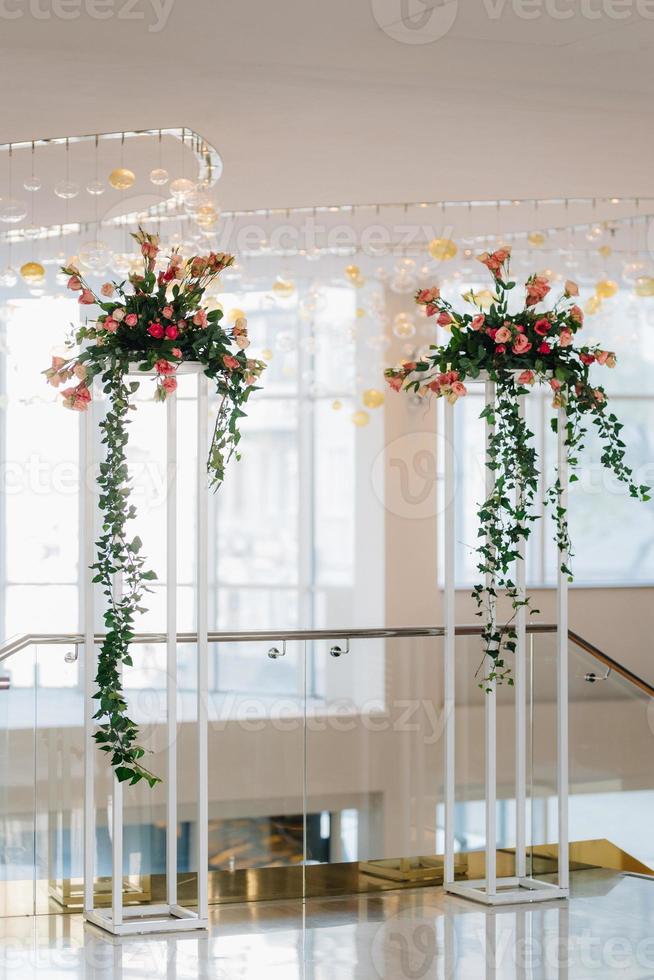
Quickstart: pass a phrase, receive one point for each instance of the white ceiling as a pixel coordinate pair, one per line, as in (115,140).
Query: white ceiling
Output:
(312,102)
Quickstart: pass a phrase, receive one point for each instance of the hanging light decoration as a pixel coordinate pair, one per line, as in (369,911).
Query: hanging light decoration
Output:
(442,249)
(606,288)
(593,305)
(284,288)
(32,272)
(337,405)
(360,418)
(8,277)
(536,238)
(404,326)
(605,251)
(372,398)
(159,177)
(644,286)
(121,178)
(181,188)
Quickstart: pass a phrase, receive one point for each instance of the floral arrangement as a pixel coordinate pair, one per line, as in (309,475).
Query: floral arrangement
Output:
(154,320)
(517,351)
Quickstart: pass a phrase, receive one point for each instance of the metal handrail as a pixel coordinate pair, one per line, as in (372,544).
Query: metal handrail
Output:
(19,643)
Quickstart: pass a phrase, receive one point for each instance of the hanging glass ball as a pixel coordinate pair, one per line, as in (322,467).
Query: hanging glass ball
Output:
(285,342)
(442,249)
(284,288)
(32,272)
(372,398)
(96,187)
(12,210)
(8,277)
(605,251)
(121,178)
(404,326)
(33,183)
(536,238)
(121,262)
(644,286)
(593,305)
(360,418)
(94,256)
(606,288)
(159,176)
(32,231)
(207,216)
(181,188)
(66,189)
(337,404)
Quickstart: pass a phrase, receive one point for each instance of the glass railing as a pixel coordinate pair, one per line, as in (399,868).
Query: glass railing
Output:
(325,766)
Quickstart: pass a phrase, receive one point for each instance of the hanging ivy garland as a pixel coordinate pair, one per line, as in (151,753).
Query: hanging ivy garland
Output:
(517,351)
(157,321)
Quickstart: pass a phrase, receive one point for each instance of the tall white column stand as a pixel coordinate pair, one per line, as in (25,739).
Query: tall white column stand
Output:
(520,887)
(119,919)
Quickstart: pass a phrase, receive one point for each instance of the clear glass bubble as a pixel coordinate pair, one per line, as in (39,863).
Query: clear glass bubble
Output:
(33,183)
(96,187)
(94,255)
(66,189)
(8,277)
(159,176)
(12,210)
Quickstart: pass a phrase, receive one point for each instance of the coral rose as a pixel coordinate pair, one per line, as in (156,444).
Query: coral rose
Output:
(131,319)
(503,335)
(156,330)
(477,322)
(526,378)
(521,345)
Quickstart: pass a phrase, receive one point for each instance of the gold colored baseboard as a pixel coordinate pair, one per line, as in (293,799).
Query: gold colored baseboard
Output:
(314,881)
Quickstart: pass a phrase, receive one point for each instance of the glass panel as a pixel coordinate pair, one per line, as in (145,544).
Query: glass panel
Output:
(17,800)
(610,757)
(374,764)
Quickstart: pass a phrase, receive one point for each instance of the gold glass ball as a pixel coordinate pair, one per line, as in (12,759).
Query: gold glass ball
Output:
(32,272)
(644,286)
(536,238)
(283,288)
(372,398)
(352,272)
(181,188)
(593,305)
(605,251)
(121,178)
(337,405)
(442,249)
(606,288)
(207,216)
(360,418)
(360,312)
(267,354)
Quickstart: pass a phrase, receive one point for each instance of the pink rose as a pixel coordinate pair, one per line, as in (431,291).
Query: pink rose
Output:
(537,288)
(176,352)
(242,341)
(156,330)
(478,321)
(431,309)
(169,385)
(168,312)
(503,335)
(427,296)
(521,345)
(396,382)
(602,356)
(555,384)
(107,289)
(118,314)
(74,283)
(230,362)
(500,349)
(110,325)
(459,389)
(587,359)
(526,378)
(577,314)
(566,337)
(571,288)
(131,319)
(86,298)
(172,332)
(444,319)
(164,367)
(200,318)
(77,398)
(542,326)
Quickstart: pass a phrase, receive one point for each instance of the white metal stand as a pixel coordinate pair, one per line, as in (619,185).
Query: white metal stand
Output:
(521,887)
(121,920)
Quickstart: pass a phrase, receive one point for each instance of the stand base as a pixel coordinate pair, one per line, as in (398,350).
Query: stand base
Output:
(147,919)
(510,891)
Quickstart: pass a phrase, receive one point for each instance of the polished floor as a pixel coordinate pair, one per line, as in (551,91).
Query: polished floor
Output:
(605,930)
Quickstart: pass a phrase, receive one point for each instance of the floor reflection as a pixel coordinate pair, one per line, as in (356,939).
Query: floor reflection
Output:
(605,930)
